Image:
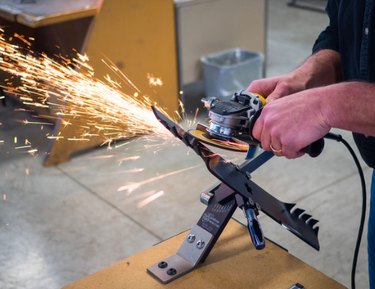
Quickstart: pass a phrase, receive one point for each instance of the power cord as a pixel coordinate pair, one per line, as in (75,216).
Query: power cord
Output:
(339,138)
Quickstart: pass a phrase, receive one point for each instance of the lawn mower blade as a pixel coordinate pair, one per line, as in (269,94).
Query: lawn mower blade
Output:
(293,219)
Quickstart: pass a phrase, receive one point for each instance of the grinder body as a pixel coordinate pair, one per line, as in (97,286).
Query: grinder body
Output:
(232,122)
(233,118)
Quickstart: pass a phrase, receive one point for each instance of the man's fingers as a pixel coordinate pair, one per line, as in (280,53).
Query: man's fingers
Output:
(257,129)
(276,146)
(263,86)
(291,153)
(280,91)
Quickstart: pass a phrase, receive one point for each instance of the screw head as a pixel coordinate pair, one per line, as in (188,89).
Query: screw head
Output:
(163,265)
(200,244)
(172,271)
(191,238)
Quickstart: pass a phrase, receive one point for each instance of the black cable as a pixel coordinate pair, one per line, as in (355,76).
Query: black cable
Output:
(364,205)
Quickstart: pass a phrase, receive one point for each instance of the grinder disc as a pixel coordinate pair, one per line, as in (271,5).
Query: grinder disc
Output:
(230,144)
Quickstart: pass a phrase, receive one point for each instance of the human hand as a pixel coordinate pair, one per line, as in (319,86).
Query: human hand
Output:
(320,69)
(279,86)
(289,124)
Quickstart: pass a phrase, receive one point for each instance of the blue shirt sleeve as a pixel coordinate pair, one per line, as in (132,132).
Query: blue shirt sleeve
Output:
(328,39)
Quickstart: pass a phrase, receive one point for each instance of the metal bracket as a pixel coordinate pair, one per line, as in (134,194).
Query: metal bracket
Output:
(192,250)
(200,240)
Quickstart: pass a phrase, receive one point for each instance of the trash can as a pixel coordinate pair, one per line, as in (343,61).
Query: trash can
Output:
(229,71)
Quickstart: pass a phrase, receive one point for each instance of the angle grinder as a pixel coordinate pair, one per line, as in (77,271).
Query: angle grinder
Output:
(231,123)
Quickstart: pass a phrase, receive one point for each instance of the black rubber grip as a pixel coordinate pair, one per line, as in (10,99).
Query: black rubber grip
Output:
(315,148)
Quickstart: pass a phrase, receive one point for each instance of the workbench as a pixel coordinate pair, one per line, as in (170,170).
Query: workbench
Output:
(233,263)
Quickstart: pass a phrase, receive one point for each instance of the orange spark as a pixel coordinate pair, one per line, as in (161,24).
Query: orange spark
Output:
(35,122)
(4,197)
(22,38)
(68,88)
(150,199)
(55,137)
(121,145)
(32,152)
(133,158)
(131,187)
(102,157)
(23,147)
(27,172)
(154,81)
(134,170)
(78,139)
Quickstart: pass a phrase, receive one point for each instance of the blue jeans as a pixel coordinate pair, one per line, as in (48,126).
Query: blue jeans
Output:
(371,235)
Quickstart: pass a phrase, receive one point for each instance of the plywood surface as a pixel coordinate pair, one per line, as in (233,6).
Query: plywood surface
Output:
(233,263)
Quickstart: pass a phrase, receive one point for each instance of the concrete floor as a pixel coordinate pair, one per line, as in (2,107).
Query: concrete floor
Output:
(61,223)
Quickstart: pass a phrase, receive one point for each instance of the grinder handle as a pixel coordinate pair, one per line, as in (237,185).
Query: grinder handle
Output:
(313,150)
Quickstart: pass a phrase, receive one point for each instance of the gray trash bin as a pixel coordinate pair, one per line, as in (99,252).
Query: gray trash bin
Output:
(229,71)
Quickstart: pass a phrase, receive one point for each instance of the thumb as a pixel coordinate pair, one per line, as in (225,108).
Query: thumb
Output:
(279,92)
(263,86)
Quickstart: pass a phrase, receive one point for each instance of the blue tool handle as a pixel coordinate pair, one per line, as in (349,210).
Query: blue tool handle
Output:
(255,230)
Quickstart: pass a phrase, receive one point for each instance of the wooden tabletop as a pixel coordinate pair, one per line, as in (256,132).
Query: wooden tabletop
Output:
(233,263)
(36,13)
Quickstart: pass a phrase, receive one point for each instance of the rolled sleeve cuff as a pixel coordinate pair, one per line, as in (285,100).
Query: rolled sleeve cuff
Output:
(326,40)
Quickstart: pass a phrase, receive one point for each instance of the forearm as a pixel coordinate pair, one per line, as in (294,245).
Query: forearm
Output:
(349,106)
(320,69)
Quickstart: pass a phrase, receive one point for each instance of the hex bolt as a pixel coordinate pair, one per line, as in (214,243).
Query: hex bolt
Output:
(191,238)
(206,197)
(163,265)
(172,271)
(200,244)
